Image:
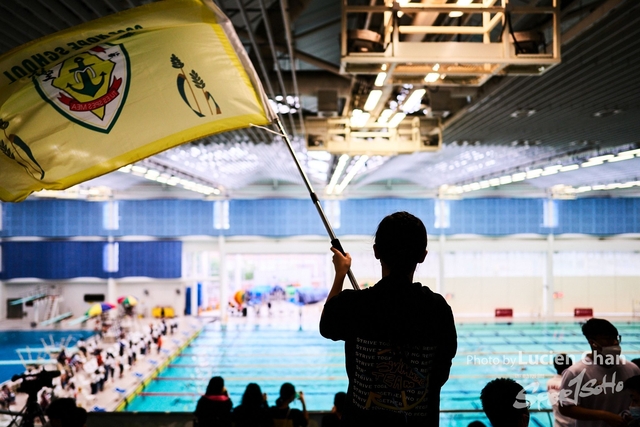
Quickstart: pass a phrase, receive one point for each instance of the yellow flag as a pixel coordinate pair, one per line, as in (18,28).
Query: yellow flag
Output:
(85,101)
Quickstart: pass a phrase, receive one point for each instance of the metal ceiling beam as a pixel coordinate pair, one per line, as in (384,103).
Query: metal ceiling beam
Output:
(256,49)
(284,6)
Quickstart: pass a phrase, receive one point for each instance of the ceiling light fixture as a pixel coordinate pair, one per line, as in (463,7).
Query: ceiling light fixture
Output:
(382,76)
(621,157)
(396,119)
(589,164)
(431,77)
(413,102)
(342,162)
(359,118)
(522,113)
(372,100)
(384,116)
(352,172)
(569,168)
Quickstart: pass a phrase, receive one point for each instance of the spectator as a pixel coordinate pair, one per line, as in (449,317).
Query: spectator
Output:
(396,322)
(632,415)
(334,419)
(214,408)
(64,413)
(284,416)
(602,366)
(560,362)
(7,397)
(503,401)
(476,424)
(253,411)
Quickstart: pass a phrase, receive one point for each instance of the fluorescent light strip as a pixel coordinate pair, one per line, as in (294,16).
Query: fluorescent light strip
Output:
(621,157)
(396,119)
(411,104)
(590,163)
(431,77)
(384,116)
(372,100)
(347,179)
(569,168)
(342,162)
(382,76)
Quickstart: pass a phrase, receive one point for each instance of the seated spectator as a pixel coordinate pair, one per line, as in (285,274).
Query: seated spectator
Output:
(503,401)
(65,413)
(602,366)
(253,411)
(7,397)
(632,415)
(282,415)
(560,362)
(214,408)
(334,419)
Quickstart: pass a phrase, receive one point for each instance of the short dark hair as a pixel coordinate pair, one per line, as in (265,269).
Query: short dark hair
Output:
(594,327)
(401,240)
(216,385)
(632,383)
(503,403)
(562,362)
(65,411)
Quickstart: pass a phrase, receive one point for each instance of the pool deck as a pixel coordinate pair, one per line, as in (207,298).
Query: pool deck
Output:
(118,391)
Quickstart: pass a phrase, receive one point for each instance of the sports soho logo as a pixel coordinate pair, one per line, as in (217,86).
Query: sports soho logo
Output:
(569,395)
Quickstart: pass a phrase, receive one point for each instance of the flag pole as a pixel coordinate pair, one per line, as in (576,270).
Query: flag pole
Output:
(334,240)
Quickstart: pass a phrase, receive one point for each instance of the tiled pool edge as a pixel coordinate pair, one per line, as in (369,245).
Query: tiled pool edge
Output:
(122,405)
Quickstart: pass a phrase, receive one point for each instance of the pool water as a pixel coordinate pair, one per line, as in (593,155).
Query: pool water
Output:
(10,341)
(270,355)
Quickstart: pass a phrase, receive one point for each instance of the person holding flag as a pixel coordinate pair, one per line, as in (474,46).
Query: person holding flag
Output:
(399,336)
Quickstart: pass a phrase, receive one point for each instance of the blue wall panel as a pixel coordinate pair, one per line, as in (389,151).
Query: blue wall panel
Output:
(495,217)
(52,218)
(66,260)
(51,260)
(166,218)
(362,216)
(599,216)
(287,217)
(160,260)
(273,218)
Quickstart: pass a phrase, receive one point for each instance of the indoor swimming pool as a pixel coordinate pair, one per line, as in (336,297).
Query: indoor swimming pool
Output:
(270,355)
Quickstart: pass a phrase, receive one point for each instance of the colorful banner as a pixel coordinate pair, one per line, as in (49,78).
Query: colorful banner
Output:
(88,100)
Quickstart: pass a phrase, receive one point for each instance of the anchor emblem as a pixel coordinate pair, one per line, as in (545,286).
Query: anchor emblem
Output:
(82,73)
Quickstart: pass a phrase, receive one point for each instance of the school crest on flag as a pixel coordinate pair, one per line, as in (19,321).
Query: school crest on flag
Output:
(89,88)
(86,101)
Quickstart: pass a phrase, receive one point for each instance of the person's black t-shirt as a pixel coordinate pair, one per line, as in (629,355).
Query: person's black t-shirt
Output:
(399,341)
